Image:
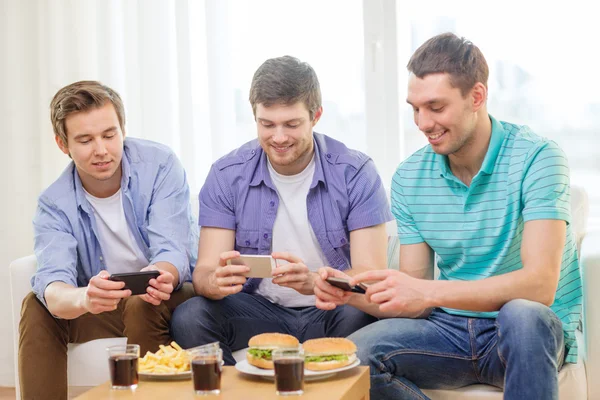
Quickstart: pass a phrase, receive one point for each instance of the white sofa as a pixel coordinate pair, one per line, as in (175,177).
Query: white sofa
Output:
(87,365)
(87,362)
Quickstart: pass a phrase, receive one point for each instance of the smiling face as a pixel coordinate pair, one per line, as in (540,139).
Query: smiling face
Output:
(447,119)
(285,133)
(95,143)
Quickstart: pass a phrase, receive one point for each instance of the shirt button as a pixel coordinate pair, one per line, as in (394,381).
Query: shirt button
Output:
(101,258)
(247,243)
(468,208)
(253,151)
(343,241)
(272,203)
(265,235)
(328,155)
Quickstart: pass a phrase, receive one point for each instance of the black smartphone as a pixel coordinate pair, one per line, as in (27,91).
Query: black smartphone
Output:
(345,285)
(137,282)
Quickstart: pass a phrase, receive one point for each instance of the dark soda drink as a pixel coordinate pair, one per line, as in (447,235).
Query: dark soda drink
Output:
(207,375)
(289,375)
(123,370)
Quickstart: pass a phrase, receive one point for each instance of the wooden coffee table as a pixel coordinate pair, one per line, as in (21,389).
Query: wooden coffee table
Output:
(352,384)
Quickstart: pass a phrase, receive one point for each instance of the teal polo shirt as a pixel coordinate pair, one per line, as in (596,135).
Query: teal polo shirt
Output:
(476,231)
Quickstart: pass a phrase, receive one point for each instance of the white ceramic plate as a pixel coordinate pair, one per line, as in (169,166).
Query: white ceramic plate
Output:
(150,376)
(246,368)
(177,376)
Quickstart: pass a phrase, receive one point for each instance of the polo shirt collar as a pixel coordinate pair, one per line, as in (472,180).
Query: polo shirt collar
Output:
(496,139)
(80,192)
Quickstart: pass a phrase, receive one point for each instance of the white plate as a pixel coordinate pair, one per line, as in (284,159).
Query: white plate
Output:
(176,376)
(150,376)
(246,368)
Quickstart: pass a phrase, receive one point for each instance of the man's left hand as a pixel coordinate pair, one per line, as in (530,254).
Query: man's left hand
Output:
(160,289)
(295,275)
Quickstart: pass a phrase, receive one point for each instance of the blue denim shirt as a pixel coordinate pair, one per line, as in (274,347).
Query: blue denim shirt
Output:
(346,193)
(156,200)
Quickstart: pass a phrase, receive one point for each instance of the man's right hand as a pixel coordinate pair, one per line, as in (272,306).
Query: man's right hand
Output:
(328,297)
(102,294)
(228,279)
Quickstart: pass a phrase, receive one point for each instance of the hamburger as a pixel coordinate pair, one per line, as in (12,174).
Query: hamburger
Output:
(328,353)
(260,348)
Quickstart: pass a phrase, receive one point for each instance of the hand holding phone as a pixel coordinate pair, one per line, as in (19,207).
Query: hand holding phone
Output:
(137,282)
(260,265)
(344,284)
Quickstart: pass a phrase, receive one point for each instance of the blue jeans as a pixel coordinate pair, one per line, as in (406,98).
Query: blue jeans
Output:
(521,351)
(236,318)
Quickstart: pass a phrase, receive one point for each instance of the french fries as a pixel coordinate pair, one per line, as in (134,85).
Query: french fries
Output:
(169,359)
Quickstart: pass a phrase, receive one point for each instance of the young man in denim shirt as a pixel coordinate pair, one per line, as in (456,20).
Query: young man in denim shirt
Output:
(122,205)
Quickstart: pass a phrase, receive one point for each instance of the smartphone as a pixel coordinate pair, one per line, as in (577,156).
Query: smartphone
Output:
(344,284)
(137,282)
(260,265)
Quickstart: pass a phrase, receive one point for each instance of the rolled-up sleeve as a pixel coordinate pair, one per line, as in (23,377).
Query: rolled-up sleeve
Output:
(368,201)
(216,202)
(55,248)
(169,230)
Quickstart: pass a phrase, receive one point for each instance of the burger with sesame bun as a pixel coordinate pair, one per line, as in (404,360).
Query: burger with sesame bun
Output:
(328,353)
(260,348)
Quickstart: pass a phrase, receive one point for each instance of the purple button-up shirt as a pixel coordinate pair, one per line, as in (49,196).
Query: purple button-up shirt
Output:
(346,194)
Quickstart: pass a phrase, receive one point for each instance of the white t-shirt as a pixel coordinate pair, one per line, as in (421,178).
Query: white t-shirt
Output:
(121,252)
(292,233)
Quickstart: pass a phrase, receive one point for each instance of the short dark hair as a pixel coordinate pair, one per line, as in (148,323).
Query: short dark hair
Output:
(447,53)
(82,96)
(285,80)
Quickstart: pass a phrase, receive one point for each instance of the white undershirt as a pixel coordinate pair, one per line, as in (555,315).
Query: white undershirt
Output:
(292,233)
(119,249)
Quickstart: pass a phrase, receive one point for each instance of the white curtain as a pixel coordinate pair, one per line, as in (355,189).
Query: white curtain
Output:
(152,52)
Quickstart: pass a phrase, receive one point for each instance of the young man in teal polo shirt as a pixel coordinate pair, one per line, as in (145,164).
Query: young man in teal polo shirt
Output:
(491,200)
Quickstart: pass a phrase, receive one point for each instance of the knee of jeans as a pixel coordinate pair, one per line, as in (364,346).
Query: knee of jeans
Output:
(525,316)
(367,339)
(187,313)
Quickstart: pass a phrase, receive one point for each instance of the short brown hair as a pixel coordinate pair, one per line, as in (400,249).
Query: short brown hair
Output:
(285,80)
(447,53)
(82,96)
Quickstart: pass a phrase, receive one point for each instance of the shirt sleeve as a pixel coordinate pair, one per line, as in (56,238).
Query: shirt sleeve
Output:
(546,186)
(55,249)
(368,201)
(216,202)
(169,227)
(407,229)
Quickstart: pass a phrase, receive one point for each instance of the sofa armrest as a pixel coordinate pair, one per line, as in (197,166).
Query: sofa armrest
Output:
(590,269)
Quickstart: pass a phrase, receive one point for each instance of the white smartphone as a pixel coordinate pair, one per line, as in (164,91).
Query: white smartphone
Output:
(260,265)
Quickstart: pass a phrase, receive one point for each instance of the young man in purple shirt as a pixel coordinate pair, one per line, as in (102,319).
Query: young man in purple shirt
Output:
(302,197)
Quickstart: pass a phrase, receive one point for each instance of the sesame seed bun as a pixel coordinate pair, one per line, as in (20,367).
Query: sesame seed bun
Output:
(269,341)
(273,341)
(328,346)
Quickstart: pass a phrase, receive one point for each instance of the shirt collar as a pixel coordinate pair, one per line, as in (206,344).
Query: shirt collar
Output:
(496,139)
(498,135)
(261,173)
(80,191)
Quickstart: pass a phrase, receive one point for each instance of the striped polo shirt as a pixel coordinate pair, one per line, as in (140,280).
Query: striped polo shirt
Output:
(476,230)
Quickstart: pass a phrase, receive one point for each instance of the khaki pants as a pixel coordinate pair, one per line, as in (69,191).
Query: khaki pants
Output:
(43,339)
